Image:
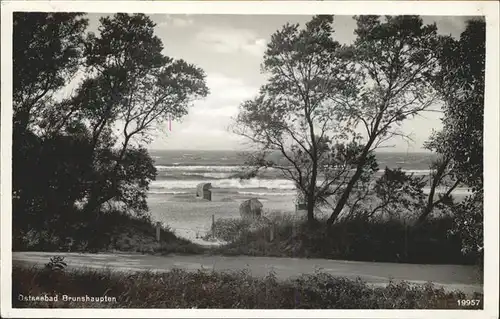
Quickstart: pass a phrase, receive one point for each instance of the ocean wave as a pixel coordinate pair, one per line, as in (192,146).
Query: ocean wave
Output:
(254,186)
(227,183)
(460,191)
(240,168)
(268,193)
(217,175)
(200,168)
(417,171)
(412,171)
(163,192)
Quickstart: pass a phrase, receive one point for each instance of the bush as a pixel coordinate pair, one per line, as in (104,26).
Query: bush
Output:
(203,289)
(111,231)
(228,229)
(232,229)
(355,239)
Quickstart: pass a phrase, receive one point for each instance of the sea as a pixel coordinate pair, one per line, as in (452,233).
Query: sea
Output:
(172,196)
(180,171)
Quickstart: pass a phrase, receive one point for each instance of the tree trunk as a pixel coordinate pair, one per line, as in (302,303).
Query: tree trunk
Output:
(428,209)
(345,195)
(310,207)
(435,182)
(430,204)
(311,196)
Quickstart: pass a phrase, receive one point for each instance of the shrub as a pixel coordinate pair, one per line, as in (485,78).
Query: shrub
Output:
(228,229)
(112,231)
(351,239)
(204,289)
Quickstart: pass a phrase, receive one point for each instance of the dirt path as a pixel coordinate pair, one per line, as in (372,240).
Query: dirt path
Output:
(451,277)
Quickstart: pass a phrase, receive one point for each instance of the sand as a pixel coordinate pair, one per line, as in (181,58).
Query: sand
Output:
(191,217)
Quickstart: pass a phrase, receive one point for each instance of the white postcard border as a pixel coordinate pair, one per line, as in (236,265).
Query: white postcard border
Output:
(491,141)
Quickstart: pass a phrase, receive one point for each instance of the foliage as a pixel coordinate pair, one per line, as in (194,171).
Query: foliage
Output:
(441,175)
(389,240)
(469,223)
(228,229)
(81,148)
(320,92)
(394,59)
(229,290)
(293,115)
(113,231)
(135,175)
(232,229)
(45,182)
(398,192)
(349,155)
(56,263)
(131,82)
(47,49)
(460,82)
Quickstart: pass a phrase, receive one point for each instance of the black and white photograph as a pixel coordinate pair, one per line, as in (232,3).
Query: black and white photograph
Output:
(284,160)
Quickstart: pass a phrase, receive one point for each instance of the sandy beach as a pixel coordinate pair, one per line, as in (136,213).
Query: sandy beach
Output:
(191,217)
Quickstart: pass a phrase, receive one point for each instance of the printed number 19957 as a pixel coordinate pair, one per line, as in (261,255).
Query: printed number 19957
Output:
(468,302)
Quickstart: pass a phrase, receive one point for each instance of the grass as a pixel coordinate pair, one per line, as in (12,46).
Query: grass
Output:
(114,231)
(208,289)
(361,240)
(358,239)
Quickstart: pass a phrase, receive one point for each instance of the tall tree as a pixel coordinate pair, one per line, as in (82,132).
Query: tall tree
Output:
(394,59)
(47,49)
(132,88)
(461,85)
(293,115)
(85,149)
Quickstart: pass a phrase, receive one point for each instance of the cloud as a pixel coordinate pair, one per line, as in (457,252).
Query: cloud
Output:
(218,109)
(232,40)
(226,111)
(226,94)
(202,131)
(223,88)
(179,21)
(206,125)
(448,25)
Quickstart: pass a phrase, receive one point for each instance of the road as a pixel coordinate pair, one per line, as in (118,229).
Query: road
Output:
(450,277)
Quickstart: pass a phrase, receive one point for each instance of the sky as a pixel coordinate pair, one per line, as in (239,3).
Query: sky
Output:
(229,48)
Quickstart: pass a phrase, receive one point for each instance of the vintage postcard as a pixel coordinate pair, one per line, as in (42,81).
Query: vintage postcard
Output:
(238,159)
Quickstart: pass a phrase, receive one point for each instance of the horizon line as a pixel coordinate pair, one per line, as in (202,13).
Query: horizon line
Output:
(233,150)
